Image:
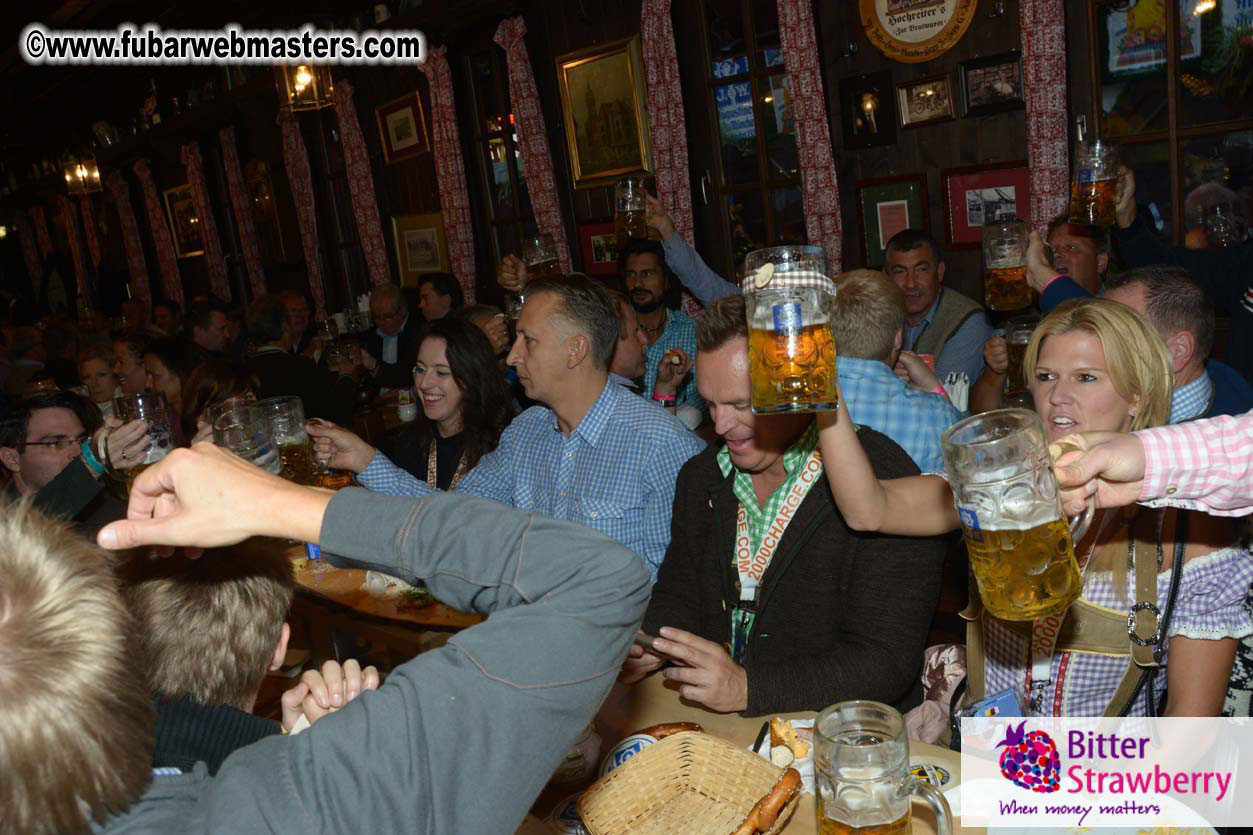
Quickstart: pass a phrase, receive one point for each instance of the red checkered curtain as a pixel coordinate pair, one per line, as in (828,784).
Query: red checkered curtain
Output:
(120,192)
(90,233)
(34,264)
(819,187)
(70,218)
(241,205)
(219,283)
(361,185)
(667,123)
(296,160)
(171,281)
(1043,24)
(450,172)
(40,220)
(537,161)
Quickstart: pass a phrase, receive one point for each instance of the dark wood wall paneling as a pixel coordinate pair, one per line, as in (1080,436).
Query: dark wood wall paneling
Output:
(930,148)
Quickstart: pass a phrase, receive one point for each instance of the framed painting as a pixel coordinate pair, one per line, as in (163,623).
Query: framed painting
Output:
(420,246)
(885,206)
(990,85)
(402,128)
(606,113)
(925,101)
(600,248)
(183,221)
(980,194)
(866,113)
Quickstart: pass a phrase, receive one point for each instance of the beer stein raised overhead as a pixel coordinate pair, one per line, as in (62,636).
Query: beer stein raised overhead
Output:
(791,347)
(630,210)
(1094,185)
(1005,284)
(1021,546)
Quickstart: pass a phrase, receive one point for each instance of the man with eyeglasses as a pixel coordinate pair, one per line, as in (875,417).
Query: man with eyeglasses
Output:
(54,447)
(393,344)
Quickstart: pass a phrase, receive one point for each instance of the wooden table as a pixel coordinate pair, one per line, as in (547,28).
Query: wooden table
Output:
(333,600)
(651,701)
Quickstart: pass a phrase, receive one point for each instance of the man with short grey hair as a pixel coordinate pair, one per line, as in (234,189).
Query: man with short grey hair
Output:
(394,342)
(594,453)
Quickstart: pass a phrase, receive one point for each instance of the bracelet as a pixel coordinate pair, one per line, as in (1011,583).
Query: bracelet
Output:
(89,458)
(665,398)
(939,389)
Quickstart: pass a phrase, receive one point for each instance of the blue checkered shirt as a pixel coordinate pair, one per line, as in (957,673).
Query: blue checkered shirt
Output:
(615,472)
(680,333)
(877,398)
(1192,399)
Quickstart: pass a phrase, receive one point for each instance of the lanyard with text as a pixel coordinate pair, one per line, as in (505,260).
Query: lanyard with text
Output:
(751,565)
(431,469)
(1044,635)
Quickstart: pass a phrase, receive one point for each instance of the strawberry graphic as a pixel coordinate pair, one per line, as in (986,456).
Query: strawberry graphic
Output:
(1030,760)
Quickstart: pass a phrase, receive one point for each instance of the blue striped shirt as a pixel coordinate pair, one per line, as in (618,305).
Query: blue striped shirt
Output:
(877,398)
(615,472)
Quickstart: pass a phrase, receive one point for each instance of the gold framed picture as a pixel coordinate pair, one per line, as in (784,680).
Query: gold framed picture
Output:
(188,240)
(604,102)
(420,245)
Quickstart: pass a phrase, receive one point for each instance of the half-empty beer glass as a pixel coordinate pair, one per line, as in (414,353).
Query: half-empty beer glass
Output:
(147,406)
(539,253)
(1020,545)
(791,347)
(630,210)
(286,417)
(861,769)
(1018,332)
(1094,186)
(243,429)
(1005,284)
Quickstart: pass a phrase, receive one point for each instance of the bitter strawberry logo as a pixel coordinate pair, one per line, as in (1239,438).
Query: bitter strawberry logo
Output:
(1030,760)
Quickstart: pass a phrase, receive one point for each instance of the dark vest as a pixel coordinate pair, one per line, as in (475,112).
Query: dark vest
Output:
(950,314)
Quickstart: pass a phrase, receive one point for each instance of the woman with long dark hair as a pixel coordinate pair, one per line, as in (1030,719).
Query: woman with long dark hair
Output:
(212,382)
(169,361)
(465,406)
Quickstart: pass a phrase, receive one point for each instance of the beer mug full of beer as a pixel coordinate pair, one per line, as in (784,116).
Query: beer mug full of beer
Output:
(286,418)
(791,347)
(861,768)
(1021,546)
(1005,284)
(630,210)
(1094,186)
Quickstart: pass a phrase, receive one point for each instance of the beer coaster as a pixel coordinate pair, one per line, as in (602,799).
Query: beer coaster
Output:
(625,750)
(937,776)
(764,273)
(565,818)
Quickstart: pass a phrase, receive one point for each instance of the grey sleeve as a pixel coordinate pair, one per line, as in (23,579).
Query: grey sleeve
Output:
(462,738)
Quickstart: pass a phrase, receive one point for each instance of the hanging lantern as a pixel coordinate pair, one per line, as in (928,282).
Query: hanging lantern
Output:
(304,87)
(82,175)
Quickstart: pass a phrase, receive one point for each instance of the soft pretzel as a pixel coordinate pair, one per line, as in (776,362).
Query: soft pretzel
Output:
(782,733)
(763,815)
(665,729)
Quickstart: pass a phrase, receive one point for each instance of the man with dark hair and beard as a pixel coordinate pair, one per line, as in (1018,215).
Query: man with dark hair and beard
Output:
(654,294)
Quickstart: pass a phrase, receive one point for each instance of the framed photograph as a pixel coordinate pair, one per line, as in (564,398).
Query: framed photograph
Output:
(402,128)
(866,111)
(925,101)
(606,113)
(420,246)
(183,221)
(990,85)
(600,248)
(981,194)
(885,206)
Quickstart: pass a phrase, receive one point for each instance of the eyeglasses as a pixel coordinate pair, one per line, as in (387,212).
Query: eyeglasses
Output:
(60,442)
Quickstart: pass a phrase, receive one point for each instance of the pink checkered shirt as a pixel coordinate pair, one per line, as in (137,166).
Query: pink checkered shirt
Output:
(1202,465)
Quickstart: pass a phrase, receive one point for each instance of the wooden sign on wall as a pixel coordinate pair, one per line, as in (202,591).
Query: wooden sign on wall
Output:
(913,31)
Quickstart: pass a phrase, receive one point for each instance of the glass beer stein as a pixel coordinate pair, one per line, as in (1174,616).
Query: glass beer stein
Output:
(1094,186)
(630,211)
(861,767)
(242,428)
(148,406)
(1005,284)
(1018,332)
(791,347)
(286,417)
(1021,546)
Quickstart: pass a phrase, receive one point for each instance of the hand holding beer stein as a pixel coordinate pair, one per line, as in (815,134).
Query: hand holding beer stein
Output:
(791,347)
(1021,546)
(630,210)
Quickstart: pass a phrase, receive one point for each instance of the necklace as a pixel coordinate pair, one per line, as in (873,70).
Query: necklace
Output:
(665,320)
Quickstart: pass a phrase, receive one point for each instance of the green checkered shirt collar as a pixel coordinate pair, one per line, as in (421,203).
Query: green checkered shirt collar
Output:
(759,518)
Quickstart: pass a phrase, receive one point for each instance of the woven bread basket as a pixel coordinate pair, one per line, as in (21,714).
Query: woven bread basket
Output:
(686,784)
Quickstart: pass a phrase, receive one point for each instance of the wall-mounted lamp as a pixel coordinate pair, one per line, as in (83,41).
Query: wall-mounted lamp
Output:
(82,175)
(304,87)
